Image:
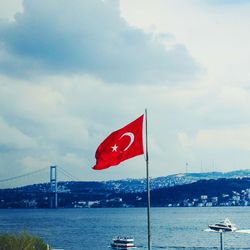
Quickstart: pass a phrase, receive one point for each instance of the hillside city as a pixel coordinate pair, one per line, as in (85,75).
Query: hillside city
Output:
(234,199)
(181,190)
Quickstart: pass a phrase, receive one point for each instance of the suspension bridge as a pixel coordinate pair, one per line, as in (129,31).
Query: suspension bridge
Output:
(50,175)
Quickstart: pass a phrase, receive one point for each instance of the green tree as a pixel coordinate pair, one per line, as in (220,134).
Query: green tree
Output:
(22,241)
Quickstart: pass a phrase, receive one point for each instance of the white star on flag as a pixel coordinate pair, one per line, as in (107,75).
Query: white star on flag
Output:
(114,148)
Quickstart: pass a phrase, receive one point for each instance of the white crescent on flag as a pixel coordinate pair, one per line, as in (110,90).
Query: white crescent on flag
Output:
(132,138)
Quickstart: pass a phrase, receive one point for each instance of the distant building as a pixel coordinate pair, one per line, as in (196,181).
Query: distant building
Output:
(93,203)
(203,197)
(30,203)
(214,199)
(236,198)
(80,204)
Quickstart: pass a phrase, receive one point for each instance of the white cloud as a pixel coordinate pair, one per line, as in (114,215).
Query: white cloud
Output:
(11,138)
(68,120)
(89,37)
(53,112)
(215,34)
(10,8)
(227,147)
(218,139)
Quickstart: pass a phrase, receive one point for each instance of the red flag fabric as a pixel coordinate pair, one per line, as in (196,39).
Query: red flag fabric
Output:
(120,145)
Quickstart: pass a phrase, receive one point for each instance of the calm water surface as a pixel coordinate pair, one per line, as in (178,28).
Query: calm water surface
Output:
(93,229)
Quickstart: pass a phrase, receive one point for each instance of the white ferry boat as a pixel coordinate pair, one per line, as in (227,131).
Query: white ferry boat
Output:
(122,242)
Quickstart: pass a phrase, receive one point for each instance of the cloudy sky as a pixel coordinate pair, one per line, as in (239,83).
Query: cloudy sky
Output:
(71,72)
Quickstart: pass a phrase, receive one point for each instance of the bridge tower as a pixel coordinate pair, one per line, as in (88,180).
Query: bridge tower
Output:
(53,187)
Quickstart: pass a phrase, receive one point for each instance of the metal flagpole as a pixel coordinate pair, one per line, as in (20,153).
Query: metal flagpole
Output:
(148,186)
(221,240)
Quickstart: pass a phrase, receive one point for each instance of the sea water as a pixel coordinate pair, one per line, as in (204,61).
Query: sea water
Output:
(93,229)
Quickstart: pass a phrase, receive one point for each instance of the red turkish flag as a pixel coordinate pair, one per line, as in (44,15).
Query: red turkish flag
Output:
(120,145)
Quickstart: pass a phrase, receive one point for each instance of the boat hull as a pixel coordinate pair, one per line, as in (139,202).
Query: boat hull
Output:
(223,229)
(122,246)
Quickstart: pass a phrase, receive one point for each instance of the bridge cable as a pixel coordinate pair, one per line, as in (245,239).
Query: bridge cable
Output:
(66,173)
(23,175)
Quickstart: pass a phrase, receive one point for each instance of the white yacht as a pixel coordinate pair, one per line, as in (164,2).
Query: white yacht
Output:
(224,226)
